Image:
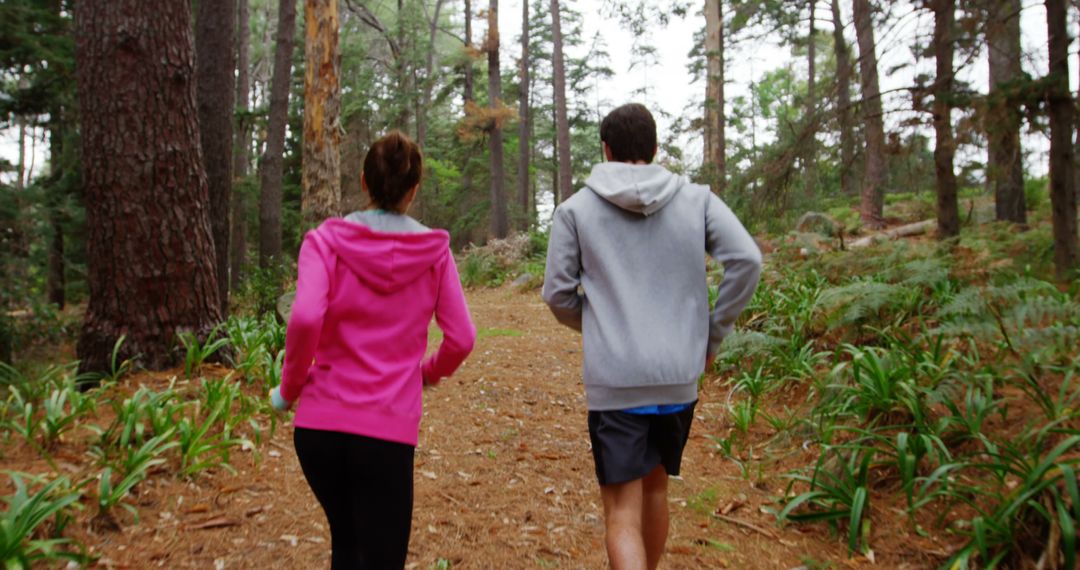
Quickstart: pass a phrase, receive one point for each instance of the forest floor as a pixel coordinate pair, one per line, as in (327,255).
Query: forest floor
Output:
(504,479)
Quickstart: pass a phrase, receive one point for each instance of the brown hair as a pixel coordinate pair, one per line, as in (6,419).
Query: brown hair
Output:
(392,167)
(630,133)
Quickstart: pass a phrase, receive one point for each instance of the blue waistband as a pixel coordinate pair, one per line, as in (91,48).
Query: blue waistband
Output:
(658,410)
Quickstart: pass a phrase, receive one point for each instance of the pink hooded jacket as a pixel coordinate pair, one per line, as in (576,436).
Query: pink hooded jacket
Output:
(359,328)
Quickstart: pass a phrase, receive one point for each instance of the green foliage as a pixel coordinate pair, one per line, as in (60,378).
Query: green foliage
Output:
(206,434)
(946,346)
(196,353)
(21,524)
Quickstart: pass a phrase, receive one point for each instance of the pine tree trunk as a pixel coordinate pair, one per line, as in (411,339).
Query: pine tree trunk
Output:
(500,222)
(468,100)
(810,154)
(272,161)
(874,178)
(56,279)
(150,250)
(562,125)
(1062,191)
(948,216)
(241,149)
(523,123)
(20,164)
(56,283)
(715,120)
(1005,171)
(215,91)
(405,91)
(843,102)
(429,79)
(322,113)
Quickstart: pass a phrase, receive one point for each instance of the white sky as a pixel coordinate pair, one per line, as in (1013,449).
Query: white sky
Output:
(672,91)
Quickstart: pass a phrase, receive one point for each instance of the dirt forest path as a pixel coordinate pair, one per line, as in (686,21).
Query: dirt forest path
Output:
(504,479)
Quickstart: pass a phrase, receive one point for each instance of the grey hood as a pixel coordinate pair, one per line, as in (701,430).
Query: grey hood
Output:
(639,188)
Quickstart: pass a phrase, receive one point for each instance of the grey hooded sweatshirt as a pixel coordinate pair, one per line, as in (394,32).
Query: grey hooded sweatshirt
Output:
(626,267)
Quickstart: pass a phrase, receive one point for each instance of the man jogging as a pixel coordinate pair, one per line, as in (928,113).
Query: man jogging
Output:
(626,267)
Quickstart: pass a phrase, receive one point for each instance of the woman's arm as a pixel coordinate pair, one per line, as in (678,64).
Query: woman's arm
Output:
(459,334)
(308,311)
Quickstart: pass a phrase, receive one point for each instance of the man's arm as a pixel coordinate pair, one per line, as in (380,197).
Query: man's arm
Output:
(729,243)
(563,273)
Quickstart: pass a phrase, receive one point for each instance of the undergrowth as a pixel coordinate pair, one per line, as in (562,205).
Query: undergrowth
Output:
(940,376)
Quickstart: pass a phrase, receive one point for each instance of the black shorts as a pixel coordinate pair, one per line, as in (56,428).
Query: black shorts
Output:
(627,447)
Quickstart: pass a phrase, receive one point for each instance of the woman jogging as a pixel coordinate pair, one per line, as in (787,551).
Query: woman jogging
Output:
(366,290)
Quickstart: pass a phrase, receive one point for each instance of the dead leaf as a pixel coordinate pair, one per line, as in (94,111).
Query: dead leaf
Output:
(216,522)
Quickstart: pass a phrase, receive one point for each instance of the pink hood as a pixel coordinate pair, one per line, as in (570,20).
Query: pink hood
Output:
(357,335)
(384,261)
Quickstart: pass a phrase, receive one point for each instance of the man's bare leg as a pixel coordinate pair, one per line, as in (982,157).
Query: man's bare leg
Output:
(654,515)
(622,521)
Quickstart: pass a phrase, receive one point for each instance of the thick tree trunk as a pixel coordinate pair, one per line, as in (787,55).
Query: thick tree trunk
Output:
(874,177)
(948,216)
(321,197)
(215,91)
(241,149)
(1062,191)
(843,102)
(1005,168)
(523,124)
(272,162)
(150,249)
(562,125)
(715,120)
(500,222)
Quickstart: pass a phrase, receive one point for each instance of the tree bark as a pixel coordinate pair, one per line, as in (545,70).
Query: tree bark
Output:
(948,215)
(1005,168)
(715,119)
(20,164)
(1062,190)
(215,91)
(272,160)
(810,155)
(500,222)
(843,102)
(241,150)
(872,204)
(467,89)
(468,100)
(59,125)
(523,123)
(150,250)
(562,125)
(429,79)
(405,91)
(56,282)
(321,197)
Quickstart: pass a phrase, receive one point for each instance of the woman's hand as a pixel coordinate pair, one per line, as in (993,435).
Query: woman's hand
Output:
(280,404)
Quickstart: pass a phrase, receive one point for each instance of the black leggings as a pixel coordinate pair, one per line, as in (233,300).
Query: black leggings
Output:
(365,487)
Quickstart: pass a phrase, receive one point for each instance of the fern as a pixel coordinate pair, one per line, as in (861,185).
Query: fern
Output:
(857,302)
(927,272)
(748,344)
